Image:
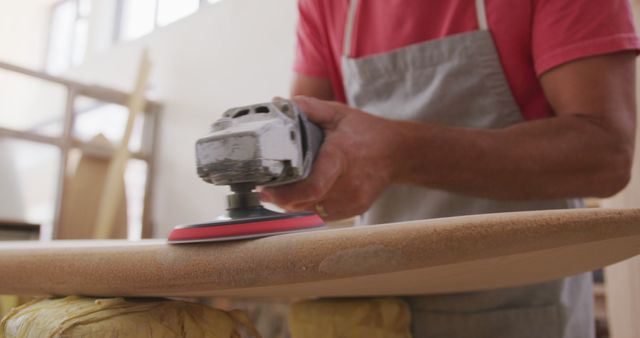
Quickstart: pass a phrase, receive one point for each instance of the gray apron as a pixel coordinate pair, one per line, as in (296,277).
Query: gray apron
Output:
(458,81)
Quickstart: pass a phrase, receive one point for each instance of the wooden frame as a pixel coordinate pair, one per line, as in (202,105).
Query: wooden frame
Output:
(66,142)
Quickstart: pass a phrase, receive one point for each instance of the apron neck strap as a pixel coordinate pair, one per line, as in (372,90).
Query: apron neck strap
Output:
(481,13)
(348,31)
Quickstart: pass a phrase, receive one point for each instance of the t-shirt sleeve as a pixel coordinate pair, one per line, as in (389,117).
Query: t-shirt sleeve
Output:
(311,44)
(566,30)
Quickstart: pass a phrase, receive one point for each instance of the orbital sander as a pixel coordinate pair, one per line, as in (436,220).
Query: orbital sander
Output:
(265,144)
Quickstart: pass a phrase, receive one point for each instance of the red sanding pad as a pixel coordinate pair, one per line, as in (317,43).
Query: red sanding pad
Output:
(226,230)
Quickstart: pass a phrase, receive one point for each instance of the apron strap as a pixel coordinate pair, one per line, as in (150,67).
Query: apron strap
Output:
(348,32)
(481,13)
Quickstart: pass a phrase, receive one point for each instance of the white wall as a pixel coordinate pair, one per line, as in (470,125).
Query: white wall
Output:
(231,53)
(623,279)
(11,206)
(23,31)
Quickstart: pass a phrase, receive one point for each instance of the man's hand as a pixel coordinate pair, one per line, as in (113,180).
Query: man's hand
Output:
(354,165)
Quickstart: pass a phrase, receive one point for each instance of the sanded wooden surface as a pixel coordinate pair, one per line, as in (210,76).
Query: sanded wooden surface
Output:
(420,257)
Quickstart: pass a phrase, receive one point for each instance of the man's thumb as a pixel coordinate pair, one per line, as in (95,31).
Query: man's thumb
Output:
(323,113)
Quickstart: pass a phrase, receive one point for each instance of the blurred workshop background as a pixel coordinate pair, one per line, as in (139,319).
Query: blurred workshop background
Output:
(67,71)
(206,56)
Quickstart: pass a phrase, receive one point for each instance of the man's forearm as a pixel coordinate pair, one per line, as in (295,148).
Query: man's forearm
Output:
(561,157)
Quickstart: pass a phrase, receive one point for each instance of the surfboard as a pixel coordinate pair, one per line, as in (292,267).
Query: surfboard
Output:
(444,255)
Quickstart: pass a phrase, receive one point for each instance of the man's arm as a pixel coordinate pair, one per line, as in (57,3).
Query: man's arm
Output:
(586,150)
(317,87)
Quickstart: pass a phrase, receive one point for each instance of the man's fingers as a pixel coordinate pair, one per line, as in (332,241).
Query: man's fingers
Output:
(326,170)
(324,174)
(323,113)
(334,206)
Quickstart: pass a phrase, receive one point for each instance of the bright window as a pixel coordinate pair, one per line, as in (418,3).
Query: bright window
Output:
(141,17)
(138,18)
(172,10)
(70,27)
(68,34)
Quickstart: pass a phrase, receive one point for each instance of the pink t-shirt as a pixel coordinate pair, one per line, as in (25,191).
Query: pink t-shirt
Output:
(532,36)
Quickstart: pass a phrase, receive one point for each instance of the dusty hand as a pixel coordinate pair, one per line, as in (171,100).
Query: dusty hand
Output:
(355,163)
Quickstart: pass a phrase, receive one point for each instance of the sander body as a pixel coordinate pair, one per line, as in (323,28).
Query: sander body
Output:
(265,144)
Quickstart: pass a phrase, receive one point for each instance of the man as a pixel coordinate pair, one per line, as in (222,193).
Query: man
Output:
(465,107)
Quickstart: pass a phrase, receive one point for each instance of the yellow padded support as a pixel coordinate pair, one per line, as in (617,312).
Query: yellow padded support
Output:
(116,317)
(336,318)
